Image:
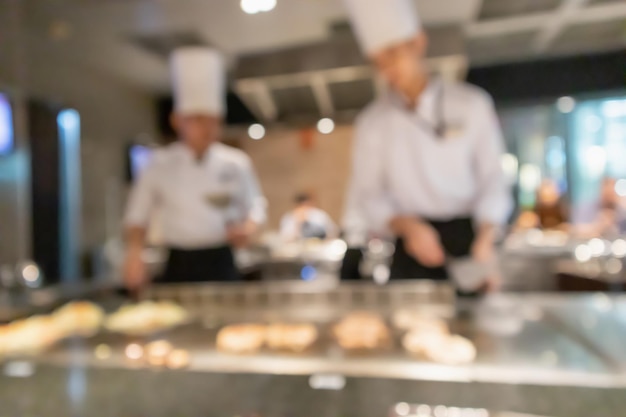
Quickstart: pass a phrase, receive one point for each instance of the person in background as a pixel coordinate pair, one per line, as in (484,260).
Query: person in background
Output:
(427,155)
(611,215)
(208,194)
(550,212)
(306,221)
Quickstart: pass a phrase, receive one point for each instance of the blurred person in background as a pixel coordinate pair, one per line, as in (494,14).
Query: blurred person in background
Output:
(208,194)
(550,212)
(306,221)
(611,213)
(427,156)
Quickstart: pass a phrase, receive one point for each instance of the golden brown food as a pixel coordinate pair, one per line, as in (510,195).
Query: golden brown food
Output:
(440,347)
(414,320)
(293,337)
(455,350)
(80,318)
(146,317)
(27,336)
(241,338)
(361,330)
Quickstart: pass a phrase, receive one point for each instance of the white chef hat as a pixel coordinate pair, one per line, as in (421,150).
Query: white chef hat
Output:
(199,81)
(382,23)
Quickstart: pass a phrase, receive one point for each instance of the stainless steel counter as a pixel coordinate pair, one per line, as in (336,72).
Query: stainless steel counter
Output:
(549,355)
(550,340)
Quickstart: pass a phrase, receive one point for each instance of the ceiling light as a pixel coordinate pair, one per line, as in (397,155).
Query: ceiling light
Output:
(325,126)
(566,104)
(266,5)
(257,6)
(250,6)
(256,131)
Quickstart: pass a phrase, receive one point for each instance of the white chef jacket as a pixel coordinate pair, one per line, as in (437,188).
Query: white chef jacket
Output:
(289,226)
(401,167)
(188,191)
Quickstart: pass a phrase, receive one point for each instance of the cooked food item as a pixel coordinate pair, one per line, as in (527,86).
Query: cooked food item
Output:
(146,317)
(177,359)
(418,342)
(440,347)
(293,337)
(31,335)
(241,338)
(361,330)
(455,350)
(80,318)
(414,320)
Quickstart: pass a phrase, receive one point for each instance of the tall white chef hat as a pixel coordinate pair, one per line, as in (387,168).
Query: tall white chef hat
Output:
(382,23)
(199,81)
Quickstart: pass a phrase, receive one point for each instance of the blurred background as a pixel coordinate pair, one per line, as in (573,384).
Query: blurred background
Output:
(555,69)
(85,99)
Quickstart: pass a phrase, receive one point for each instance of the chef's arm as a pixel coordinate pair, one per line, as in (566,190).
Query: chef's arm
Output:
(368,182)
(141,203)
(135,239)
(255,204)
(493,203)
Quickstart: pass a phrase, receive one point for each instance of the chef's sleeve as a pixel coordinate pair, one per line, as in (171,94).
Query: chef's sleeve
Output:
(255,204)
(368,176)
(142,199)
(494,200)
(288,227)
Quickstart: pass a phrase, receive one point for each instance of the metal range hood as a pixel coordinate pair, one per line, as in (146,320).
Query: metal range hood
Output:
(329,78)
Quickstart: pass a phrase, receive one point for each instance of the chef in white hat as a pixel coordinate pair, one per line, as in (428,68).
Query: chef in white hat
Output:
(207,193)
(427,157)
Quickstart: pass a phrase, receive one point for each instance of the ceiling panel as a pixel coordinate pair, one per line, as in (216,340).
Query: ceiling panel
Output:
(295,101)
(605,1)
(494,9)
(352,95)
(505,47)
(593,36)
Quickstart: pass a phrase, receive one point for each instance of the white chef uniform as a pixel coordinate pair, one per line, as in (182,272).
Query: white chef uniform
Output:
(439,161)
(197,198)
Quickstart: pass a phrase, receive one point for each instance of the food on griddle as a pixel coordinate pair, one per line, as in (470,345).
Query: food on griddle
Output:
(361,330)
(414,320)
(146,317)
(455,350)
(438,345)
(27,336)
(80,318)
(241,338)
(292,337)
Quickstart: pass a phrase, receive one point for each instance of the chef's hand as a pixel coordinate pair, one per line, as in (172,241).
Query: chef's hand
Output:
(493,283)
(483,249)
(135,276)
(240,235)
(422,242)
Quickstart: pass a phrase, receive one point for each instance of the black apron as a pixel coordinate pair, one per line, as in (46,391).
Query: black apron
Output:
(350,266)
(200,265)
(456,238)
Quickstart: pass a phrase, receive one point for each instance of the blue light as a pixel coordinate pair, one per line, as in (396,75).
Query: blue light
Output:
(6,126)
(68,119)
(308,273)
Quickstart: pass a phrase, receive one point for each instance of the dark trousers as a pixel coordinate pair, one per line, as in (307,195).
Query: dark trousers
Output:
(456,238)
(200,265)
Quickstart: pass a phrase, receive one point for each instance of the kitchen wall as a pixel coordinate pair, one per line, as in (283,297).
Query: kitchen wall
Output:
(285,169)
(112,113)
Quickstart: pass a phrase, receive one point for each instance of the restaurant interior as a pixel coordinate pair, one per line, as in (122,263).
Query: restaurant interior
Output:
(316,323)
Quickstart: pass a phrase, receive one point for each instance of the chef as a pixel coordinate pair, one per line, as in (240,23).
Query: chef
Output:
(207,193)
(427,157)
